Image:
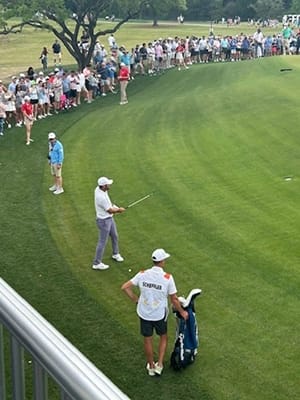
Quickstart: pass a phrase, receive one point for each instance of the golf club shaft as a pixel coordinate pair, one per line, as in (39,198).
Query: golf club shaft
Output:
(139,201)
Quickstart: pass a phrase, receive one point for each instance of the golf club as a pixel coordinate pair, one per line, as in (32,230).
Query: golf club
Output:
(139,200)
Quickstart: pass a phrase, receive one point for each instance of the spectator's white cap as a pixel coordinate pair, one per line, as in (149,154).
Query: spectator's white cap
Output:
(159,255)
(51,135)
(26,98)
(41,73)
(22,75)
(104,181)
(122,65)
(13,77)
(56,69)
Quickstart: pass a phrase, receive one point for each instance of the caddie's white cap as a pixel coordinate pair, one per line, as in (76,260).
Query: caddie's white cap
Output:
(51,135)
(159,255)
(104,181)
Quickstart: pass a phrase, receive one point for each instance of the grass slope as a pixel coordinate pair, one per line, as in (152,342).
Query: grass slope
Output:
(214,144)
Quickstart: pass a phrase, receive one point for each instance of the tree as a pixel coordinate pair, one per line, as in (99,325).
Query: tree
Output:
(269,8)
(66,19)
(159,8)
(295,7)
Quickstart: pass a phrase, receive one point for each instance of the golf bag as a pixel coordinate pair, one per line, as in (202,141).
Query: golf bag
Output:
(187,339)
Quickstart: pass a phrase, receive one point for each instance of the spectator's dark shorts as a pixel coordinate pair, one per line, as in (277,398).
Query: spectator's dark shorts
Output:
(67,94)
(147,327)
(73,93)
(34,101)
(87,85)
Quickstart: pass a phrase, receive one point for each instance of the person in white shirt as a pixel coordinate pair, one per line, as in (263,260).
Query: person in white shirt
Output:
(155,286)
(105,223)
(259,38)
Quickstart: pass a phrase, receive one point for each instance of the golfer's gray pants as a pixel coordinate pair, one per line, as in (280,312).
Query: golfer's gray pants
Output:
(107,227)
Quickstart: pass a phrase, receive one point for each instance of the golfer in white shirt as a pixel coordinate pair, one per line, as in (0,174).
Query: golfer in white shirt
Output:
(105,223)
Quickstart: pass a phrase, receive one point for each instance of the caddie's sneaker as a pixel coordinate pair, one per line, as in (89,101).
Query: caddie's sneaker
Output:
(158,369)
(151,371)
(58,191)
(100,266)
(52,188)
(117,257)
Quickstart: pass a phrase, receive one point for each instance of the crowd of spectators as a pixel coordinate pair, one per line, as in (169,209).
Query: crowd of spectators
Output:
(57,90)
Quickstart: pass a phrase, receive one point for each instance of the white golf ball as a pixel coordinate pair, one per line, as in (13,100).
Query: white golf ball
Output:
(129,270)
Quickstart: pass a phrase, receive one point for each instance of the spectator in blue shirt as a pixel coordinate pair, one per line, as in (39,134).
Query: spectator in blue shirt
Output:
(56,158)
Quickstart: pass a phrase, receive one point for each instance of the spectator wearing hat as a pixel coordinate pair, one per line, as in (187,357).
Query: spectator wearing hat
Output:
(34,98)
(105,211)
(56,158)
(12,85)
(19,94)
(123,79)
(2,116)
(155,287)
(57,89)
(27,111)
(10,106)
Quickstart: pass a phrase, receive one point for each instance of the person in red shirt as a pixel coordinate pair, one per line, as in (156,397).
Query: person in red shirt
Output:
(123,79)
(27,111)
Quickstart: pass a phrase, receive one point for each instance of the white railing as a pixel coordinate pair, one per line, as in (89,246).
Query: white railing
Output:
(52,354)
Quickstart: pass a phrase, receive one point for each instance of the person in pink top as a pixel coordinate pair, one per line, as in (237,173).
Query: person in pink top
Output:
(27,110)
(123,79)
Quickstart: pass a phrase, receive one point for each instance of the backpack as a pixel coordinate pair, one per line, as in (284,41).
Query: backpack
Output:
(187,336)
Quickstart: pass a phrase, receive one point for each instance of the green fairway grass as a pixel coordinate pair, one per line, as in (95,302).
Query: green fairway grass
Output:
(214,144)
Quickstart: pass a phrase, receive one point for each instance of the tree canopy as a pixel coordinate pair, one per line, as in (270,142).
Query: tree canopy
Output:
(68,20)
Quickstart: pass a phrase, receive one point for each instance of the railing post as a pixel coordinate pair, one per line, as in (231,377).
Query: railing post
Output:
(2,366)
(17,364)
(40,383)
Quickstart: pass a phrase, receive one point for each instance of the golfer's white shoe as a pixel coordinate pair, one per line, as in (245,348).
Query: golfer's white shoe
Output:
(100,266)
(151,371)
(158,369)
(58,191)
(52,188)
(117,257)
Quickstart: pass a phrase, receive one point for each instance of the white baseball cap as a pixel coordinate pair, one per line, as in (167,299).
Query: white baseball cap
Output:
(51,135)
(104,181)
(26,98)
(159,255)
